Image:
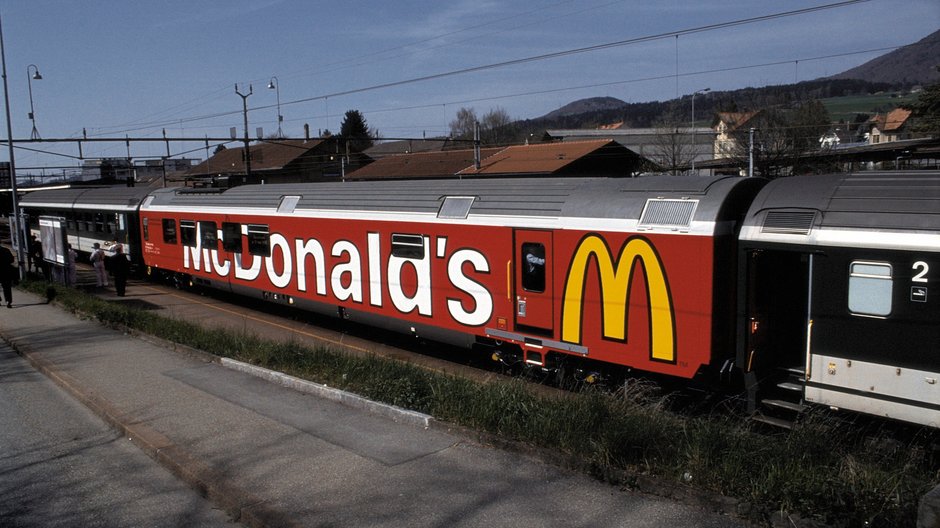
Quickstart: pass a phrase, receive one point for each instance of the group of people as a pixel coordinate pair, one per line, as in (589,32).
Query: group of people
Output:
(118,264)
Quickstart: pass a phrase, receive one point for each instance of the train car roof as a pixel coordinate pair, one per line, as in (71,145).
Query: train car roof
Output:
(121,198)
(679,200)
(898,210)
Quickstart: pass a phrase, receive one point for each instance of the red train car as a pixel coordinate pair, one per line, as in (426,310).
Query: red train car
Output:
(632,272)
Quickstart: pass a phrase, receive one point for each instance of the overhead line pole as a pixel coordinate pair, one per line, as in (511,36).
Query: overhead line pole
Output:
(16,227)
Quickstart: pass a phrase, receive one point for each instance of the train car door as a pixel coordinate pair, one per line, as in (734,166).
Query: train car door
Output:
(534,309)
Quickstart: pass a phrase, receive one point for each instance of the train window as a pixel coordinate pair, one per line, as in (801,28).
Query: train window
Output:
(870,288)
(232,237)
(209,235)
(457,207)
(533,267)
(169,231)
(259,240)
(408,246)
(145,226)
(99,223)
(188,233)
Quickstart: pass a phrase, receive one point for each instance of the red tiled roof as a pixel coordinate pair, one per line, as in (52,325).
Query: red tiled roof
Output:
(895,119)
(265,155)
(540,158)
(736,119)
(443,164)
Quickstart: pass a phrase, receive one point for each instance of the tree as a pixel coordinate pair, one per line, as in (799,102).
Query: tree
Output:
(672,149)
(495,122)
(355,131)
(462,125)
(926,112)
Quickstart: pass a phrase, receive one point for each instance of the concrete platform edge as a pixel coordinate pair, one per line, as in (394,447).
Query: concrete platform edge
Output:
(392,412)
(241,506)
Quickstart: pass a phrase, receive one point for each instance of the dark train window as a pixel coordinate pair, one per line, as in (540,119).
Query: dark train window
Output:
(209,235)
(99,223)
(870,286)
(533,267)
(408,246)
(232,237)
(169,231)
(146,228)
(188,233)
(259,240)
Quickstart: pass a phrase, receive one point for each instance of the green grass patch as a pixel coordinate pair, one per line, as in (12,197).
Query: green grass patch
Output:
(846,108)
(826,469)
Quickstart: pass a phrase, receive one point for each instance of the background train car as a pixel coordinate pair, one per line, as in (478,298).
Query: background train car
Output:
(840,293)
(632,272)
(92,214)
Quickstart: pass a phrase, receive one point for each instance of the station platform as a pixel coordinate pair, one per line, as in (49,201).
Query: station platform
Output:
(272,455)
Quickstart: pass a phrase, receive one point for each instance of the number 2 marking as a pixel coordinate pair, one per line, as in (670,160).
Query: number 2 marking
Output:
(922,276)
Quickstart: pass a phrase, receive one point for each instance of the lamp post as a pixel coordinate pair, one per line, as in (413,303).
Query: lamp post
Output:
(703,90)
(275,84)
(32,113)
(17,226)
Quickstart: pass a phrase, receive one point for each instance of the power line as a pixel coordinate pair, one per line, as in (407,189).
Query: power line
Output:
(525,60)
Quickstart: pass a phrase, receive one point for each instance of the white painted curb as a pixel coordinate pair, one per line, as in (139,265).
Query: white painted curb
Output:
(346,398)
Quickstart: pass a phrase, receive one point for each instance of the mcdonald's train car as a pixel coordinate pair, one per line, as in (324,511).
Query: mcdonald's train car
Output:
(630,272)
(839,294)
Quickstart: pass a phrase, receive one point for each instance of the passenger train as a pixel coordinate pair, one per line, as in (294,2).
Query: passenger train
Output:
(802,290)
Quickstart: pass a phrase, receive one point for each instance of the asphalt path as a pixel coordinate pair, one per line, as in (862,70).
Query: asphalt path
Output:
(61,465)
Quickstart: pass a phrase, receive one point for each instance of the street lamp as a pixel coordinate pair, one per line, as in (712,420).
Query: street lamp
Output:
(18,226)
(703,90)
(275,84)
(32,113)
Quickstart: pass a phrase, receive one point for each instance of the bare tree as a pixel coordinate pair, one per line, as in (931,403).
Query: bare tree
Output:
(494,122)
(462,126)
(672,147)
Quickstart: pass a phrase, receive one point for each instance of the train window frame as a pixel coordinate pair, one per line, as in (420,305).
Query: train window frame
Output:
(209,234)
(169,230)
(533,259)
(408,246)
(871,287)
(188,233)
(145,228)
(232,237)
(259,240)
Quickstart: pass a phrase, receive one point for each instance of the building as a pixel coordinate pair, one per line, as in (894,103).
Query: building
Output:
(278,161)
(727,126)
(893,126)
(599,157)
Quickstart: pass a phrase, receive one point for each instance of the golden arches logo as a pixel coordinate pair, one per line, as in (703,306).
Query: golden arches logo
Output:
(615,280)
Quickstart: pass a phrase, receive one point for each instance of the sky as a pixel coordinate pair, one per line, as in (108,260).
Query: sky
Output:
(134,68)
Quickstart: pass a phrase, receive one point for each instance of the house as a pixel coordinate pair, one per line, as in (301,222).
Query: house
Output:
(278,161)
(726,129)
(664,147)
(599,157)
(893,126)
(419,165)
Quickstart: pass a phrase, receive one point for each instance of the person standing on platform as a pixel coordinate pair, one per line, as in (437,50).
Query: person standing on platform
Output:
(97,260)
(7,272)
(120,267)
(71,271)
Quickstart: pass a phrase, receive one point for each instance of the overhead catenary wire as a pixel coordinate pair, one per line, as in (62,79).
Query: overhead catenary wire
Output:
(514,62)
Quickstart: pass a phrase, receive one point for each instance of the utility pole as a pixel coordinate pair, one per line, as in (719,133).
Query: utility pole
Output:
(750,155)
(246,140)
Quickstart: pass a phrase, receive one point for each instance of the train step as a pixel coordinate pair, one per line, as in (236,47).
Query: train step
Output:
(790,386)
(799,372)
(782,404)
(776,422)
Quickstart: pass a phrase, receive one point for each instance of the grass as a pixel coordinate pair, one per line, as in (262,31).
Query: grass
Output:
(827,470)
(847,107)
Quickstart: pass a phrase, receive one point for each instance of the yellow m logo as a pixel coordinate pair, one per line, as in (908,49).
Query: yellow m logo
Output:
(615,280)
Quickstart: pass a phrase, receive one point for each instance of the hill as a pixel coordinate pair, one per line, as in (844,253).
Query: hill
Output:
(913,64)
(902,68)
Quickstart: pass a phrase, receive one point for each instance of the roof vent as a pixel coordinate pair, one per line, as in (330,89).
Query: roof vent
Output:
(789,222)
(668,213)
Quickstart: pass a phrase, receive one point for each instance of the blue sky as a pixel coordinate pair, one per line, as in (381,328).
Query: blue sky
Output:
(135,67)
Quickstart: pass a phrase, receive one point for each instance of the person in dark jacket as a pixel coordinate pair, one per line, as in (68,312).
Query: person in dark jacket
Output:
(120,267)
(7,273)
